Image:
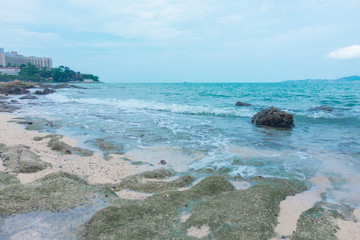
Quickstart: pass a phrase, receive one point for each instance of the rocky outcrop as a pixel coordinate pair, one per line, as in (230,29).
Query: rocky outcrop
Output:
(322,108)
(6,107)
(19,159)
(214,202)
(242,104)
(46,91)
(15,87)
(273,117)
(29,96)
(56,144)
(64,85)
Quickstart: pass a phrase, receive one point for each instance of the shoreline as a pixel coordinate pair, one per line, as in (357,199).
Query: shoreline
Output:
(98,171)
(95,168)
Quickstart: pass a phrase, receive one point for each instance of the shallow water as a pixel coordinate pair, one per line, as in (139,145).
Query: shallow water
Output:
(48,225)
(197,127)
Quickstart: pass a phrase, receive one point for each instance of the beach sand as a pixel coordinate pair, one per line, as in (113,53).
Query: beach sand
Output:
(94,168)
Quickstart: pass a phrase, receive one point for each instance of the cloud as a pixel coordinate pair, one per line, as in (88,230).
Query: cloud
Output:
(345,53)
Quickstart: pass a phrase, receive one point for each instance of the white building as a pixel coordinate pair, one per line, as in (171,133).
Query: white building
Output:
(9,70)
(14,58)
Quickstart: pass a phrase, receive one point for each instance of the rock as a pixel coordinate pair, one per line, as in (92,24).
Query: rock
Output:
(108,146)
(273,117)
(231,215)
(45,91)
(19,159)
(29,96)
(54,192)
(5,107)
(322,108)
(64,85)
(15,87)
(56,144)
(153,182)
(163,162)
(242,104)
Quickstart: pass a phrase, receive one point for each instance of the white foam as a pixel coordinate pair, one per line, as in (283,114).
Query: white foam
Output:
(244,171)
(134,104)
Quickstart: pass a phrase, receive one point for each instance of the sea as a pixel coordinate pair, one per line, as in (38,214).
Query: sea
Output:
(197,129)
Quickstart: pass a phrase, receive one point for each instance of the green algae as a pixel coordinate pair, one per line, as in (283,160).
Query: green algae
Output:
(36,124)
(6,180)
(108,146)
(56,144)
(54,192)
(318,223)
(150,182)
(245,214)
(19,159)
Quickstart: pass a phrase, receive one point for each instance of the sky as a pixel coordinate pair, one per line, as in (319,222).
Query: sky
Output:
(189,40)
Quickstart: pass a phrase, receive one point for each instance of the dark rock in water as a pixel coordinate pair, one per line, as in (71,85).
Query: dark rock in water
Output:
(64,85)
(5,107)
(45,91)
(242,104)
(323,108)
(163,162)
(273,117)
(29,96)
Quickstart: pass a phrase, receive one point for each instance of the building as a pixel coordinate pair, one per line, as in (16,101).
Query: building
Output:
(9,70)
(16,59)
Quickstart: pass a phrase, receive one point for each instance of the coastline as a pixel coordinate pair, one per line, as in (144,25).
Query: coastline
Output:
(98,171)
(94,168)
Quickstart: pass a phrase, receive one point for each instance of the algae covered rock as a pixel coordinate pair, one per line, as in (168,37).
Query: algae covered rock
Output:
(212,185)
(19,159)
(213,202)
(6,180)
(150,182)
(273,117)
(108,146)
(56,144)
(54,192)
(318,223)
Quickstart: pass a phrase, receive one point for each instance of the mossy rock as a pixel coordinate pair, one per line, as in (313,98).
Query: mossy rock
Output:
(54,192)
(108,146)
(19,159)
(154,184)
(317,224)
(245,214)
(6,180)
(36,123)
(56,144)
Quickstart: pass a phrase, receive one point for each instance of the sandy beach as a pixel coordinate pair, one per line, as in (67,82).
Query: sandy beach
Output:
(96,170)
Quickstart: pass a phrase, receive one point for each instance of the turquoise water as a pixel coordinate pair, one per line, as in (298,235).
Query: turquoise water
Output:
(197,128)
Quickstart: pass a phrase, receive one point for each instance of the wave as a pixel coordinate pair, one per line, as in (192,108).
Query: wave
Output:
(136,105)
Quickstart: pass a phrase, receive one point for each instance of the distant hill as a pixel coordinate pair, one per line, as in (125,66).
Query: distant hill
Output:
(343,79)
